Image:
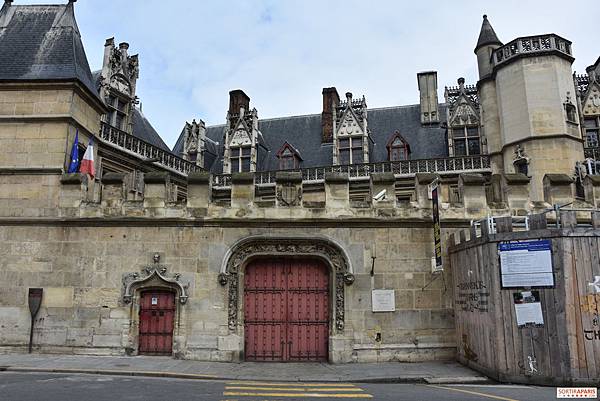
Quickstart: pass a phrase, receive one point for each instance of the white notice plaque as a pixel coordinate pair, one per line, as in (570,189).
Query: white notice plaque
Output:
(383,300)
(526,264)
(528,309)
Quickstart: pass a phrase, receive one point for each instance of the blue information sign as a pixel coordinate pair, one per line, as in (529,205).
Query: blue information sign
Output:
(526,263)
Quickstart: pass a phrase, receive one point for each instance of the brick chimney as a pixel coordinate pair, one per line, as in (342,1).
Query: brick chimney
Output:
(237,100)
(331,100)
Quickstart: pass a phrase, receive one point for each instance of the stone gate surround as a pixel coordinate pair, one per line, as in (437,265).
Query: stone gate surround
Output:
(247,249)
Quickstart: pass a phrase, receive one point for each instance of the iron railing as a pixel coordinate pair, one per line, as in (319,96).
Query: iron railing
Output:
(128,142)
(402,168)
(530,45)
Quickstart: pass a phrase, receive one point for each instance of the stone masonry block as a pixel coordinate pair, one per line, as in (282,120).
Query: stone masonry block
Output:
(558,189)
(337,194)
(57,297)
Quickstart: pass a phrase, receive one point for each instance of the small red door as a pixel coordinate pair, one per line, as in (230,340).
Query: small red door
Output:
(157,313)
(286,310)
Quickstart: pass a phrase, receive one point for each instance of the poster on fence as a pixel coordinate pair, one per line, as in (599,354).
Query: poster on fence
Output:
(526,264)
(528,309)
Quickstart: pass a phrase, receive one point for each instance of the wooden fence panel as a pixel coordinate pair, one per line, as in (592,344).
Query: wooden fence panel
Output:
(566,349)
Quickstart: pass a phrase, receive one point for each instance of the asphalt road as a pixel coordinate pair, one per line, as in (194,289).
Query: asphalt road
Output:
(79,387)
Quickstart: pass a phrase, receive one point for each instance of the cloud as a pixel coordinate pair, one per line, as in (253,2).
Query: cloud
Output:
(282,53)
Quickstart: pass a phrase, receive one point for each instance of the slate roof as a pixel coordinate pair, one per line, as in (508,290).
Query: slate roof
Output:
(145,131)
(487,35)
(304,134)
(42,42)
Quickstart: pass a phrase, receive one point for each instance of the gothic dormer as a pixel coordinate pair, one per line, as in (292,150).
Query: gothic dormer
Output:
(117,83)
(464,133)
(589,99)
(194,139)
(289,157)
(241,137)
(351,136)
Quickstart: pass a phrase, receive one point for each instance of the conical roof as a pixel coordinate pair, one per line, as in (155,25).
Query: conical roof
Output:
(487,36)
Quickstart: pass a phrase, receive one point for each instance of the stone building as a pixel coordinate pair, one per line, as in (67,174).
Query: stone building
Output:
(263,239)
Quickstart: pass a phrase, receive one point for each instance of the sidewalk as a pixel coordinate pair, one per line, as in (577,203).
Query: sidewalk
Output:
(392,372)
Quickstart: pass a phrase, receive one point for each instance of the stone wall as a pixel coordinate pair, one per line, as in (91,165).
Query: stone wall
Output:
(37,128)
(81,268)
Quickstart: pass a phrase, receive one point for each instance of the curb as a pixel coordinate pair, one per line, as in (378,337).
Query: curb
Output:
(140,373)
(193,376)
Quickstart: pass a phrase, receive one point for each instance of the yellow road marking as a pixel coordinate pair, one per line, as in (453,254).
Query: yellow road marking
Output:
(347,389)
(475,393)
(303,395)
(293,384)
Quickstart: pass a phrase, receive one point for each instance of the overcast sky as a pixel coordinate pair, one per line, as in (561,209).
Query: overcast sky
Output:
(282,53)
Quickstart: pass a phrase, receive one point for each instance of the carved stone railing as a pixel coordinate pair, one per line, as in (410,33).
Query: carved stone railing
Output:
(531,45)
(402,168)
(582,81)
(128,142)
(592,153)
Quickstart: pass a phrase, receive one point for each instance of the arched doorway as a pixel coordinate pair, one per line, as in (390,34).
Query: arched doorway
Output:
(156,322)
(286,309)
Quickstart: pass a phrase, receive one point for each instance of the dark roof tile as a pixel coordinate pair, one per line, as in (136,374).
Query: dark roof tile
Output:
(42,42)
(304,134)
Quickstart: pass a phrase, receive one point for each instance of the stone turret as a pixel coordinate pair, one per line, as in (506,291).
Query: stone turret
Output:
(488,42)
(528,117)
(490,122)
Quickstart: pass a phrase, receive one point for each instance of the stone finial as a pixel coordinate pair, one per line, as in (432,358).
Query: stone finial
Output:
(349,97)
(461,82)
(124,45)
(109,42)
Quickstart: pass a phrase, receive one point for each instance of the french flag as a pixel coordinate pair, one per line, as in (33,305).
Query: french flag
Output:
(87,162)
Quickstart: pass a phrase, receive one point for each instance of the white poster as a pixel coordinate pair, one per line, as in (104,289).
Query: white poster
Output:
(526,263)
(528,308)
(383,300)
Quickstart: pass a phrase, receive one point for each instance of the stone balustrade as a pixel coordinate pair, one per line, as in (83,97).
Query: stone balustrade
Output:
(297,199)
(531,45)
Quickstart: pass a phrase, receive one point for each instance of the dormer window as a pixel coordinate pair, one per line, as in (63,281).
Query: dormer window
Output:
(118,112)
(289,157)
(466,141)
(592,131)
(240,158)
(398,148)
(351,150)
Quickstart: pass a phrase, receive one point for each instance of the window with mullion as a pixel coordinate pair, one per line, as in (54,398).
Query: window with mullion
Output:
(350,150)
(466,141)
(118,112)
(240,159)
(592,131)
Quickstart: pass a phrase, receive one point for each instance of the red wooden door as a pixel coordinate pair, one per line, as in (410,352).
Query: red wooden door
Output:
(157,313)
(286,310)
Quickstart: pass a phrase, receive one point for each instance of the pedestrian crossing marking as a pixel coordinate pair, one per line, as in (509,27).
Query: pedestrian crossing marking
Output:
(348,389)
(293,390)
(297,395)
(241,382)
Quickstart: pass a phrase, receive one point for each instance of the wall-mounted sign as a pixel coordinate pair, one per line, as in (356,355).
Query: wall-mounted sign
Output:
(528,309)
(34,299)
(383,300)
(154,301)
(437,231)
(526,264)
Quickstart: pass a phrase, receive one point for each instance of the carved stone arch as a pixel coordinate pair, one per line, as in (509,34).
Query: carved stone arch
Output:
(153,277)
(322,248)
